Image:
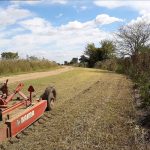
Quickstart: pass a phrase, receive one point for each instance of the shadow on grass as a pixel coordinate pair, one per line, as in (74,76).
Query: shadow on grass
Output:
(102,71)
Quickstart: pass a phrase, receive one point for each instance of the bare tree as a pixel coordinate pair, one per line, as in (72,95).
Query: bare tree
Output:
(132,38)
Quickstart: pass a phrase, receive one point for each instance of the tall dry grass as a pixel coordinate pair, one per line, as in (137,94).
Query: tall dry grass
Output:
(22,65)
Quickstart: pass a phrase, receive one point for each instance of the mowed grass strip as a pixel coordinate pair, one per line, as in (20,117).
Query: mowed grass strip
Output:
(92,112)
(67,84)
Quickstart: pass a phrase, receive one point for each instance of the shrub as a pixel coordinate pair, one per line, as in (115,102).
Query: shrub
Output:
(139,72)
(108,64)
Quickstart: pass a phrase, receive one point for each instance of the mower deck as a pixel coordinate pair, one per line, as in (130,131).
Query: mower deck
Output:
(18,119)
(16,115)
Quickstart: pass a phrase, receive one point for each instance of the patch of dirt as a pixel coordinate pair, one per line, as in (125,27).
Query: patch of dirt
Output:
(97,118)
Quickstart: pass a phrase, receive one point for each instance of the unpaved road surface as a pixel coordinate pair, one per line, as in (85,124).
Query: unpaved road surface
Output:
(35,75)
(94,111)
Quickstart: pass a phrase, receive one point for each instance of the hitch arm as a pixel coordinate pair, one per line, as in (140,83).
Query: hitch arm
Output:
(18,88)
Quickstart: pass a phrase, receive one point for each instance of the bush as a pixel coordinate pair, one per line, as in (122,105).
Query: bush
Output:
(139,72)
(83,64)
(144,84)
(108,64)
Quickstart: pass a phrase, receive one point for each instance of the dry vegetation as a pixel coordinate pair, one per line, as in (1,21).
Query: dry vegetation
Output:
(8,67)
(94,111)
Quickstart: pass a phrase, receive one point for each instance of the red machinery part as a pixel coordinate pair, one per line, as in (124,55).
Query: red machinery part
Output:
(19,122)
(17,115)
(26,118)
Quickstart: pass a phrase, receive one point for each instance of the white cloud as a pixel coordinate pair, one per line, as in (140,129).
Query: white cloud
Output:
(108,4)
(60,46)
(38,26)
(42,39)
(58,1)
(145,18)
(76,25)
(12,14)
(41,26)
(141,6)
(8,33)
(35,2)
(106,19)
(101,19)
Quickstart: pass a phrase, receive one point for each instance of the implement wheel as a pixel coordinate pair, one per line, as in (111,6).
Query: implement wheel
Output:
(50,96)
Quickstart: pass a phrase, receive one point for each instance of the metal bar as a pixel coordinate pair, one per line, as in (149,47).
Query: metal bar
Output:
(31,97)
(18,88)
(13,107)
(3,106)
(22,95)
(9,98)
(2,101)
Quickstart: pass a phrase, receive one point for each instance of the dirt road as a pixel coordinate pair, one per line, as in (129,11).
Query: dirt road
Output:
(35,75)
(94,111)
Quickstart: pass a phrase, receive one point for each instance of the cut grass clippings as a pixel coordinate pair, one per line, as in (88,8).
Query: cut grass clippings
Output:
(93,111)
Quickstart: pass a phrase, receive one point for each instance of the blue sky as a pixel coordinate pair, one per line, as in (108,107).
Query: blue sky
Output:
(60,29)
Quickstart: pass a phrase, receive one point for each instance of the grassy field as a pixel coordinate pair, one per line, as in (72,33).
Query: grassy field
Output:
(10,67)
(94,111)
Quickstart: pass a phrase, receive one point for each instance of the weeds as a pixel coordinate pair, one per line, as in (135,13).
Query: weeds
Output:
(19,66)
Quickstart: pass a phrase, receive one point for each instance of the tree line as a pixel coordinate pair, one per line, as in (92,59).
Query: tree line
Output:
(93,54)
(14,55)
(9,55)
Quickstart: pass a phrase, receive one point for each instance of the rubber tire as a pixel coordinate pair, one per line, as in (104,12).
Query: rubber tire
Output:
(50,102)
(51,98)
(49,95)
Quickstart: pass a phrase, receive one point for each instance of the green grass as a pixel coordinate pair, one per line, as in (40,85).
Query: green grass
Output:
(68,81)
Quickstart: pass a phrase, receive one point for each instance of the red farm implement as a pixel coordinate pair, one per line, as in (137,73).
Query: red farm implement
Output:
(17,111)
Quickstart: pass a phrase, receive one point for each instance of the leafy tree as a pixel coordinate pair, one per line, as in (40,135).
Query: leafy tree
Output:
(83,59)
(91,52)
(132,39)
(74,61)
(94,54)
(65,62)
(9,55)
(32,58)
(108,47)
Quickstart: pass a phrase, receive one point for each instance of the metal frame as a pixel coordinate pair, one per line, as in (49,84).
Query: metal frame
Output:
(21,114)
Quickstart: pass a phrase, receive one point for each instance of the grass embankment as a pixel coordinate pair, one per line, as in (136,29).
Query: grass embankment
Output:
(9,67)
(93,111)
